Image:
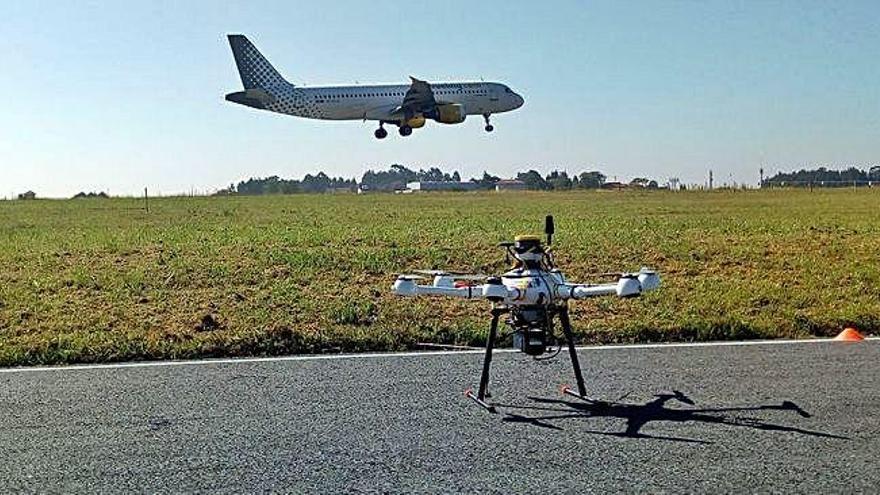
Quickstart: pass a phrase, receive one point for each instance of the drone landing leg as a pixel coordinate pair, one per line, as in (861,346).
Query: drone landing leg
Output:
(487,362)
(569,336)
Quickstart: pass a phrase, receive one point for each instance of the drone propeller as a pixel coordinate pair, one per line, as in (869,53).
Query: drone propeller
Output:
(605,274)
(455,275)
(432,273)
(410,277)
(642,271)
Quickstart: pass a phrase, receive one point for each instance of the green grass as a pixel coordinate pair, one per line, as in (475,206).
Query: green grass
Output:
(102,280)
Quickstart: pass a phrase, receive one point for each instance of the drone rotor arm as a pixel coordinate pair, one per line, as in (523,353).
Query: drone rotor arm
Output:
(406,286)
(467,292)
(629,285)
(583,291)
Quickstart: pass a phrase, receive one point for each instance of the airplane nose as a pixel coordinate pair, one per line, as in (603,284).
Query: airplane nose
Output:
(518,101)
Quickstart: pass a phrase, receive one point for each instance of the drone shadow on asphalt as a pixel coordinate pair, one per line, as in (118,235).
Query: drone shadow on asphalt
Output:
(638,415)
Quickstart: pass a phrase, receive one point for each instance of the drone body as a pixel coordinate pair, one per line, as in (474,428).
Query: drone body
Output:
(534,293)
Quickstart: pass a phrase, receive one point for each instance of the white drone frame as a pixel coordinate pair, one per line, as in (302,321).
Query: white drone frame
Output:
(628,285)
(534,285)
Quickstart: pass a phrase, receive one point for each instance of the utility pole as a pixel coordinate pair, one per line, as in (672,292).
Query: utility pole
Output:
(146,201)
(710,180)
(761,171)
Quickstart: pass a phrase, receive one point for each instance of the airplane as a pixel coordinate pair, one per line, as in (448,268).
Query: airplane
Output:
(406,106)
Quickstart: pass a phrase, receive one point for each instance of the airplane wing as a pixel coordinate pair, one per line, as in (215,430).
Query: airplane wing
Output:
(383,112)
(419,98)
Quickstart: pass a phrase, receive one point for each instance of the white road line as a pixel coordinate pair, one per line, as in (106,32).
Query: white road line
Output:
(321,357)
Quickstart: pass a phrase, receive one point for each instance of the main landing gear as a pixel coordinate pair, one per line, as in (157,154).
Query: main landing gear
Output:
(381,133)
(489,127)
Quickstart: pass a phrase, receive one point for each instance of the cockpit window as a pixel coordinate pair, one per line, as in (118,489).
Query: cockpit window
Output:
(507,90)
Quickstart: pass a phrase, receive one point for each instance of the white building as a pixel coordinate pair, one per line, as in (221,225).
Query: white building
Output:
(510,185)
(441,186)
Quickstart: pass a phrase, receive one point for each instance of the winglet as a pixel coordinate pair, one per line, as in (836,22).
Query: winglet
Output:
(254,69)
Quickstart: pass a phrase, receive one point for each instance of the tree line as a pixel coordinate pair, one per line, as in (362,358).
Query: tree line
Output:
(823,177)
(559,180)
(397,176)
(275,185)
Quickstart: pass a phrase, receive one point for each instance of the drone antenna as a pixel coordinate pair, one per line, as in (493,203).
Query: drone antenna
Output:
(549,229)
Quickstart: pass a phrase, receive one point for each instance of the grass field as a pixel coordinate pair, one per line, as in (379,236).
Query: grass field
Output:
(103,280)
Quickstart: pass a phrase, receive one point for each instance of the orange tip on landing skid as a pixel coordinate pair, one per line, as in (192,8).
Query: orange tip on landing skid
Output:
(469,393)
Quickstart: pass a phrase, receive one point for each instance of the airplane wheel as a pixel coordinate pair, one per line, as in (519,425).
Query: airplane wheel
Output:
(405,130)
(489,128)
(380,133)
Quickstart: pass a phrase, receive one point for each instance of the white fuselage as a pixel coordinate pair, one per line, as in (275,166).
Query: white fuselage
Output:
(377,102)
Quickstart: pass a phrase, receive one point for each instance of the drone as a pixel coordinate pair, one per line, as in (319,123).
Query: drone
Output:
(533,294)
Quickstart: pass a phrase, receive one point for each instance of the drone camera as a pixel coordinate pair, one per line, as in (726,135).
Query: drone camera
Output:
(531,341)
(531,332)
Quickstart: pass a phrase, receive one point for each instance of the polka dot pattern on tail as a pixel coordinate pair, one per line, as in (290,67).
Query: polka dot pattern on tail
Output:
(255,70)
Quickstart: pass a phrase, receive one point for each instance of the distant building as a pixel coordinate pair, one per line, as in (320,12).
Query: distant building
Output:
(383,187)
(441,186)
(510,185)
(28,195)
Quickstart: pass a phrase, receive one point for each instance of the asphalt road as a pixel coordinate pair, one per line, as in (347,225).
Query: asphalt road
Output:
(785,418)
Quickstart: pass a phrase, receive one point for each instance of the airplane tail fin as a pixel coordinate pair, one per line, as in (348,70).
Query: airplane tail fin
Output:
(254,69)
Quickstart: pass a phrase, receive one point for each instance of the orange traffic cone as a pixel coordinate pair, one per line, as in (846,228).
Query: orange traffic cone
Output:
(849,334)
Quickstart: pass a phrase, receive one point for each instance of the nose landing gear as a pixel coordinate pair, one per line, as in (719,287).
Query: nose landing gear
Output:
(405,130)
(489,127)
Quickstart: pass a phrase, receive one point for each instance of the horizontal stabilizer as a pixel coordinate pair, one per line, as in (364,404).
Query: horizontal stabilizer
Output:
(256,98)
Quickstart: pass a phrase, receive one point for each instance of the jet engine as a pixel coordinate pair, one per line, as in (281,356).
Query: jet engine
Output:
(451,113)
(416,122)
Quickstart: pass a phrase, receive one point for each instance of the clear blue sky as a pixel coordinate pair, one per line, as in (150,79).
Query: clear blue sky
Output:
(121,95)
